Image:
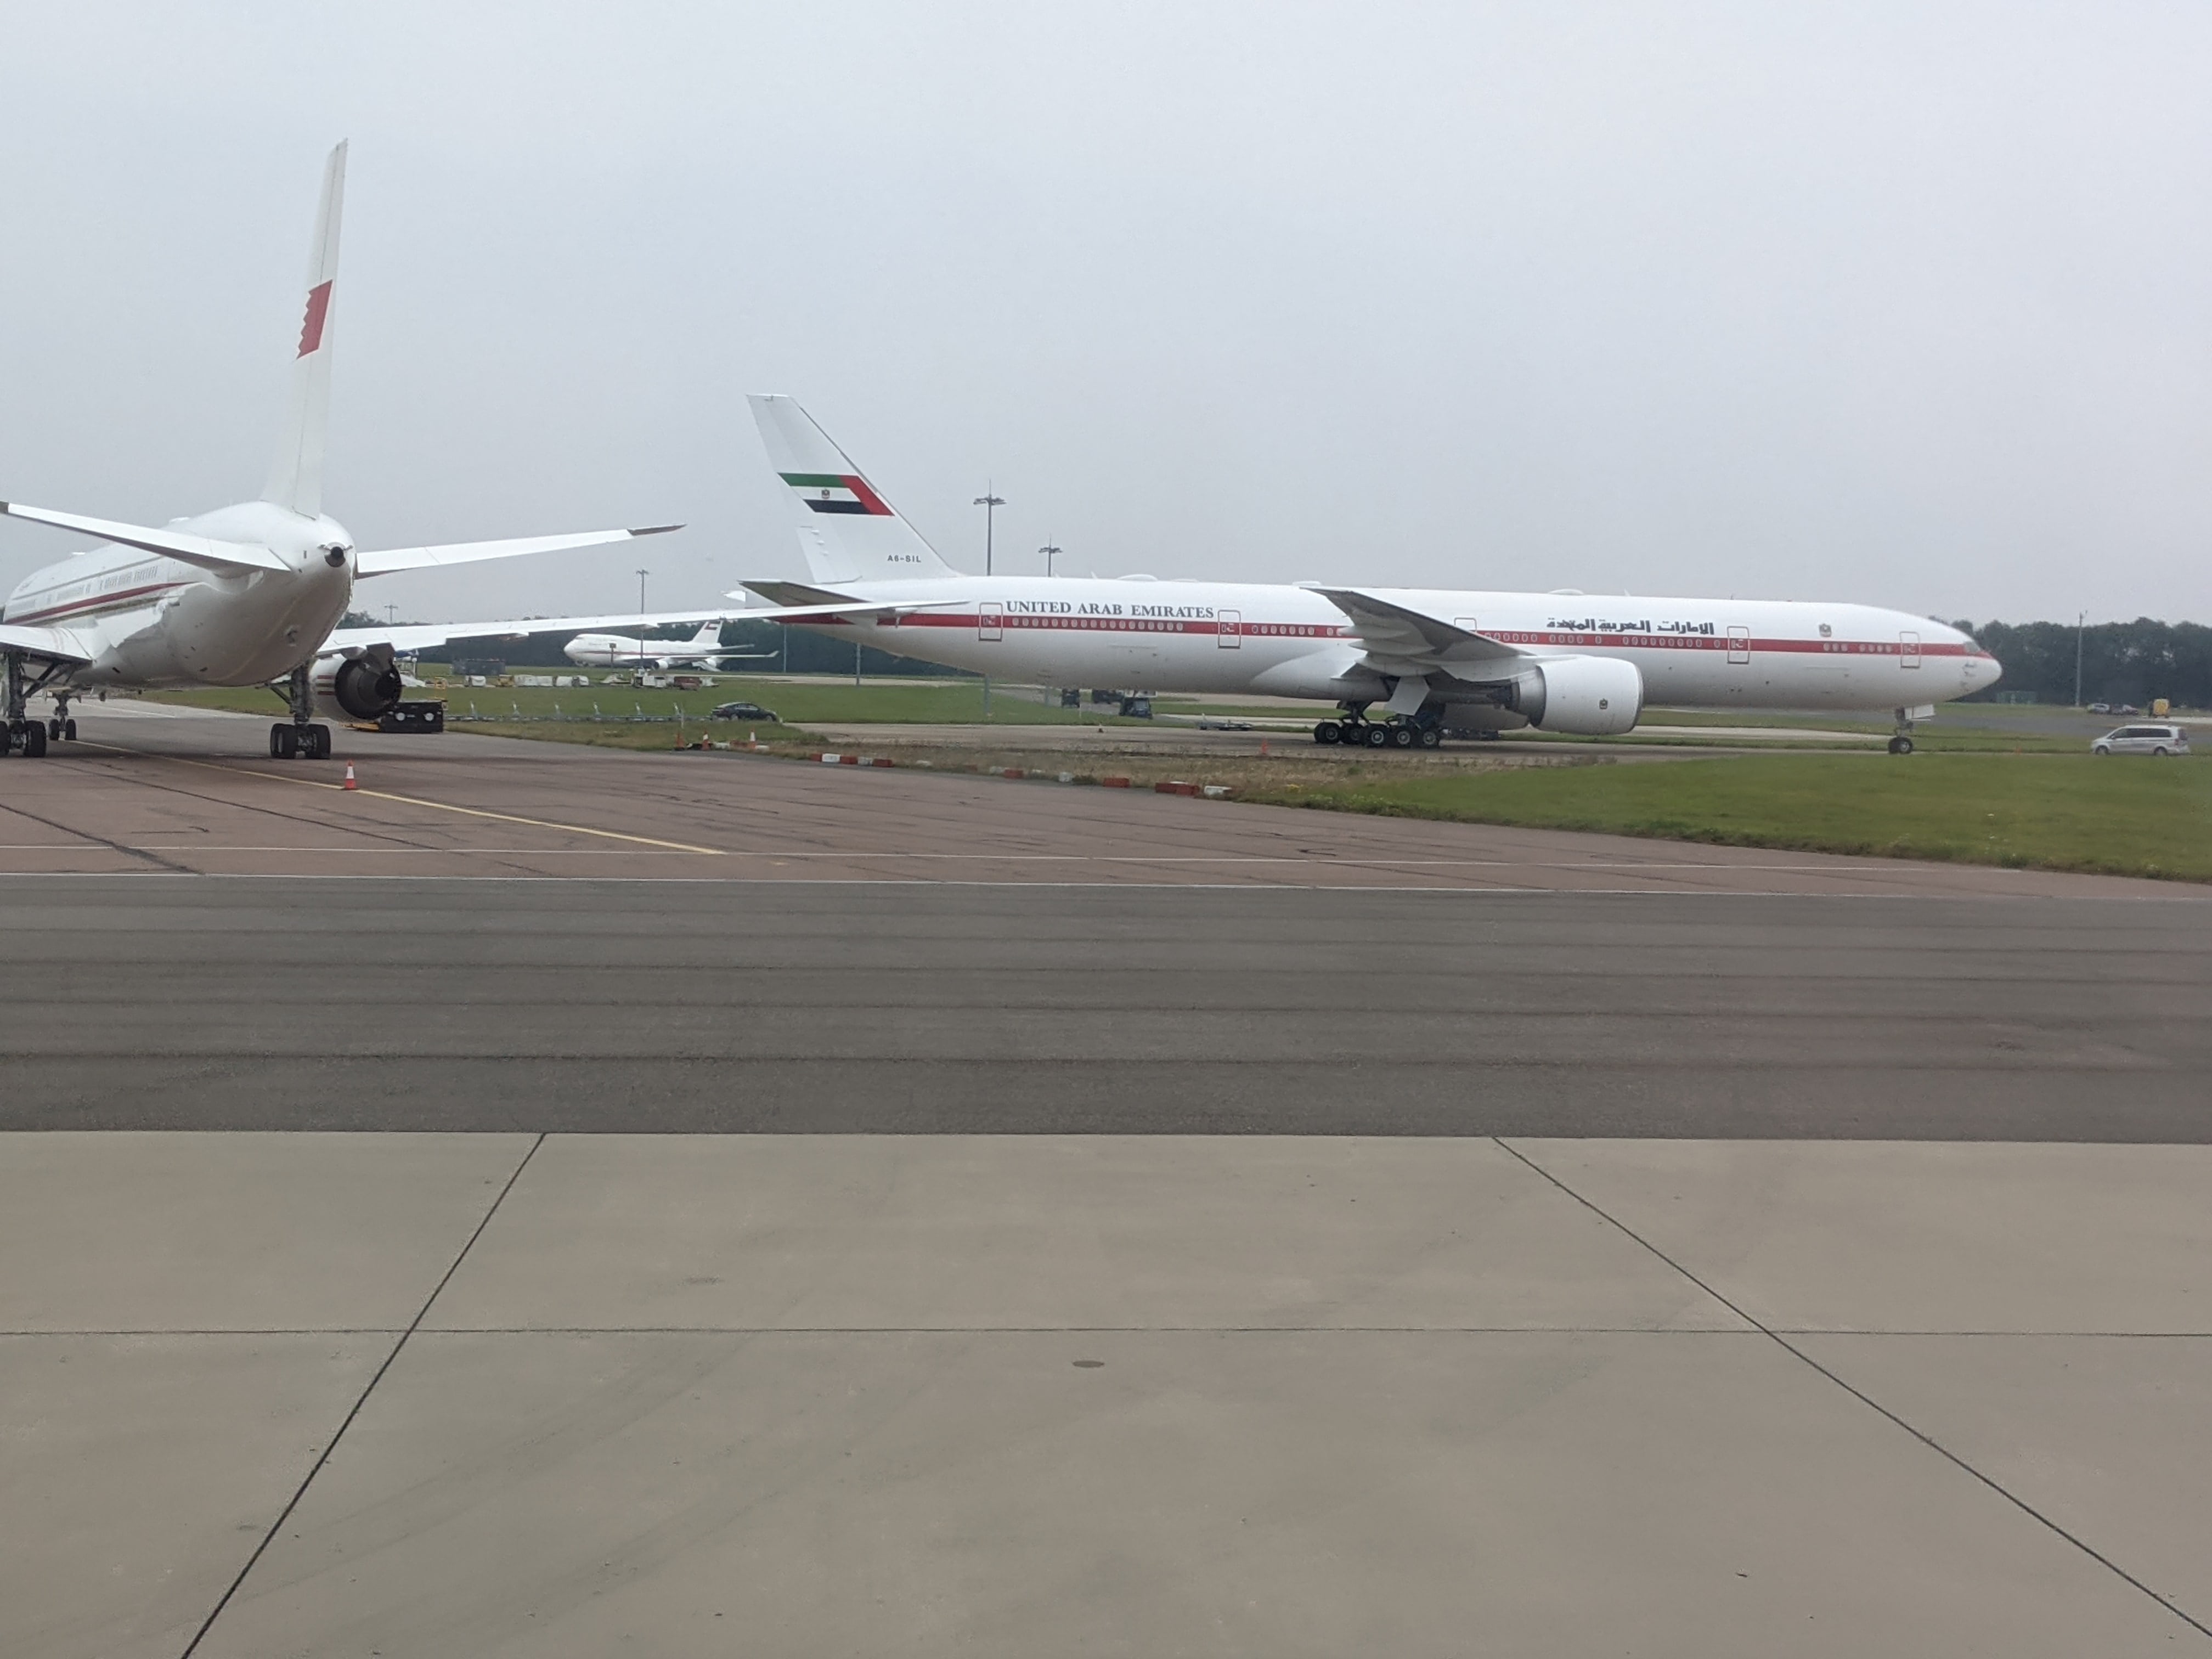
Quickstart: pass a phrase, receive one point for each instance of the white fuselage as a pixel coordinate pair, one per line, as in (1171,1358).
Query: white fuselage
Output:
(150,620)
(1267,640)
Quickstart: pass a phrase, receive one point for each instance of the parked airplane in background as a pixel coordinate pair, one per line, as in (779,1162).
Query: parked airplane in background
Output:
(1428,659)
(249,594)
(703,650)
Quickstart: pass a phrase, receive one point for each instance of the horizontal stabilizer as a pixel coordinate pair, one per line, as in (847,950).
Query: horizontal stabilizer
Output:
(50,644)
(422,636)
(203,550)
(386,563)
(820,604)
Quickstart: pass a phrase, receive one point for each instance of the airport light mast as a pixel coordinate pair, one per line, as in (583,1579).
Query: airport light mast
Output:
(990,501)
(641,575)
(1050,553)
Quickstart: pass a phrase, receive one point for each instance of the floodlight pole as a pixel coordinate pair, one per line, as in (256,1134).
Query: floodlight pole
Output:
(990,501)
(641,575)
(1051,554)
(2081,628)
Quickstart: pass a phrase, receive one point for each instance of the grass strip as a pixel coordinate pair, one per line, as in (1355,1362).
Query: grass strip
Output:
(2123,815)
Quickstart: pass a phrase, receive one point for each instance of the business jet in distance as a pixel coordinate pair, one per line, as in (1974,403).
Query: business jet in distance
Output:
(249,594)
(702,650)
(1402,666)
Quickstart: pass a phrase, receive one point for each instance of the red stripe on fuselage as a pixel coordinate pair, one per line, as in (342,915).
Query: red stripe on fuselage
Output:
(124,600)
(1510,636)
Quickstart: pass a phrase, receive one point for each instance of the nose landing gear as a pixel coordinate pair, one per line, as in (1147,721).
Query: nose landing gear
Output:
(1902,742)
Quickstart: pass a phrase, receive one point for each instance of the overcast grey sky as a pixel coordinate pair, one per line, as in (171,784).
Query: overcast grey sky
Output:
(1908,304)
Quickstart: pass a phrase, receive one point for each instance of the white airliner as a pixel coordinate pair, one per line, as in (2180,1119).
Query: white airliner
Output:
(249,594)
(1423,660)
(702,650)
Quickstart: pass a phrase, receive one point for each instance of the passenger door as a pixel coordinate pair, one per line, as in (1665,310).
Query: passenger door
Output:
(1739,645)
(1908,649)
(990,618)
(1229,629)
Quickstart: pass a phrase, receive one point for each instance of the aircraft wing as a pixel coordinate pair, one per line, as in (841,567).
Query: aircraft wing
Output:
(1387,629)
(388,560)
(204,551)
(422,636)
(1419,650)
(50,644)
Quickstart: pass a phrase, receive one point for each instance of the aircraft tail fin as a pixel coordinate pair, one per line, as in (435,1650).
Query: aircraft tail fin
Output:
(295,476)
(709,635)
(846,530)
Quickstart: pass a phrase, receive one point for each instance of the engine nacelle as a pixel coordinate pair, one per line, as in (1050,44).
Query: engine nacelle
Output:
(1589,697)
(357,688)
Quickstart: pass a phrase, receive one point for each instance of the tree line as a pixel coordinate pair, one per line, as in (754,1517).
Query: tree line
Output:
(2121,662)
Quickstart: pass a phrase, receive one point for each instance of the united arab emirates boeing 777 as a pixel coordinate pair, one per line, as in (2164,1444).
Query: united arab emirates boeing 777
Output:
(249,594)
(1401,665)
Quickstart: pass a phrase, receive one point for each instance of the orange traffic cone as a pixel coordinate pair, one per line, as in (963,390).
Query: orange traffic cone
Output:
(350,783)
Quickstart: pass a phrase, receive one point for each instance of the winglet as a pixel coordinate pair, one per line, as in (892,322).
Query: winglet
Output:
(295,476)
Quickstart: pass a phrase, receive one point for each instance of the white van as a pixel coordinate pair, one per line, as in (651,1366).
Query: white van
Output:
(2143,740)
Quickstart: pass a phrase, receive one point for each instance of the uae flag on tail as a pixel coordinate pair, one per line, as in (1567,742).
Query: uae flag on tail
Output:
(837,492)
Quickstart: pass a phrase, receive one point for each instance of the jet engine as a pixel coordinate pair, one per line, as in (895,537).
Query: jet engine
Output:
(1589,697)
(358,688)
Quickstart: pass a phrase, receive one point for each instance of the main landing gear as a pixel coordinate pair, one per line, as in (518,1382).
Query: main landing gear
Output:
(301,737)
(25,736)
(1902,742)
(1397,733)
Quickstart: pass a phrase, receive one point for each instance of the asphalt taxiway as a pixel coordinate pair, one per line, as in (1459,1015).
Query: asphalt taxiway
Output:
(832,949)
(1168,1226)
(148,792)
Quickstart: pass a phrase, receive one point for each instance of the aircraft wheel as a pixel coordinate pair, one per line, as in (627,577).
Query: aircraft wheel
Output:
(284,741)
(315,742)
(1900,745)
(54,730)
(1327,733)
(1349,732)
(1431,737)
(1403,737)
(69,731)
(1378,736)
(34,741)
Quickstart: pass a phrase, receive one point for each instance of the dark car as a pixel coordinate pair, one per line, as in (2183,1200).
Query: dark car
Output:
(743,711)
